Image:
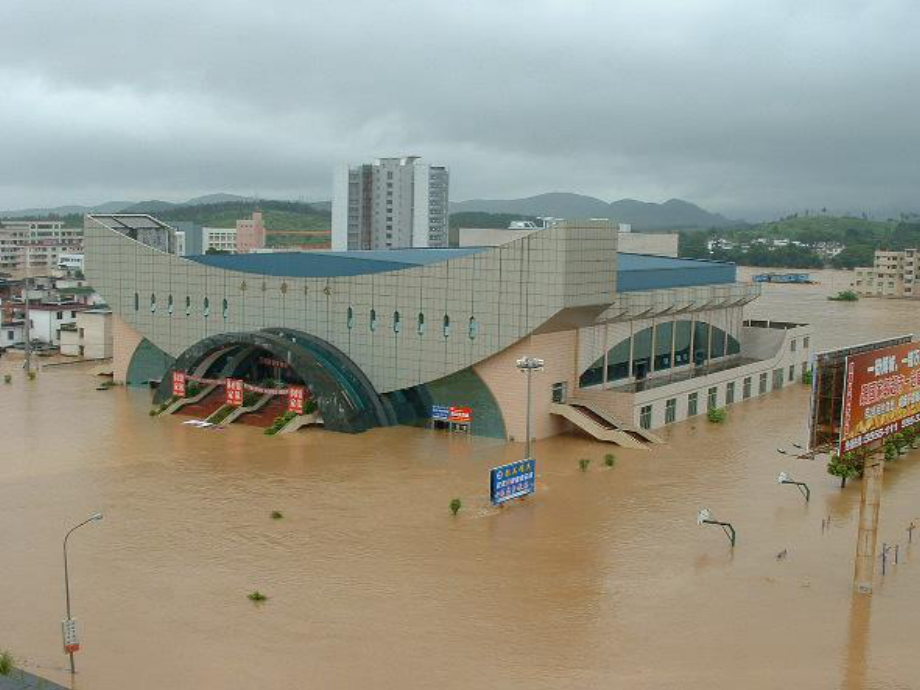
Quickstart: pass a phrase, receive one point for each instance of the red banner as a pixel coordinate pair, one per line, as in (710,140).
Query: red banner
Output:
(461,415)
(881,396)
(179,384)
(295,399)
(234,392)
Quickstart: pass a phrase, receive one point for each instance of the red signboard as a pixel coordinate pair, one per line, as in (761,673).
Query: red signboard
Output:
(295,399)
(461,415)
(881,395)
(234,392)
(179,384)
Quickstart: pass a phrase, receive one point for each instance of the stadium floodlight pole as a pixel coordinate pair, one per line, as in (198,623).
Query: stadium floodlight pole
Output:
(786,478)
(27,325)
(528,365)
(93,518)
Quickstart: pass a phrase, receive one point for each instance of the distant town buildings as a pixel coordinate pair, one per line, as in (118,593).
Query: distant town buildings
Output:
(40,242)
(393,203)
(893,274)
(90,336)
(250,234)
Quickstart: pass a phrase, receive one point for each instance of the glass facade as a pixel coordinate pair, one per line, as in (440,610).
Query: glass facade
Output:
(660,348)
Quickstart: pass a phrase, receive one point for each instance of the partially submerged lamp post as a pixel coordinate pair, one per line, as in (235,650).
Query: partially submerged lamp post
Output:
(786,478)
(529,365)
(704,517)
(68,624)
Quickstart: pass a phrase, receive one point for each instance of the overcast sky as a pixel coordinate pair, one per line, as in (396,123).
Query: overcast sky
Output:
(746,108)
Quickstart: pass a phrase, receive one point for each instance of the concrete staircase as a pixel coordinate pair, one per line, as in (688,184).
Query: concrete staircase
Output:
(204,406)
(600,424)
(265,415)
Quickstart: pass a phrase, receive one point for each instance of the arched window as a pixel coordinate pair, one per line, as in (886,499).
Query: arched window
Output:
(373,319)
(153,303)
(188,305)
(421,324)
(137,302)
(226,308)
(396,325)
(169,305)
(474,328)
(351,318)
(207,307)
(446,326)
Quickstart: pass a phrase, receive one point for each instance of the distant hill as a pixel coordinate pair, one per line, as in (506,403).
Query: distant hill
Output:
(674,213)
(124,206)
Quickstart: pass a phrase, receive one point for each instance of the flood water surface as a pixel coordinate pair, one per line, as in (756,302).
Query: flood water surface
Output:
(601,579)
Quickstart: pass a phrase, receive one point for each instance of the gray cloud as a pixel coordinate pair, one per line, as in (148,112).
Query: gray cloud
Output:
(745,108)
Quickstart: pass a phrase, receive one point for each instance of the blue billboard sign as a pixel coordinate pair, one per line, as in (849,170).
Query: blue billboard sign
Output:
(513,481)
(440,413)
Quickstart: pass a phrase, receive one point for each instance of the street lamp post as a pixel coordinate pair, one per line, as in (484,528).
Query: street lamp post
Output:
(785,478)
(529,365)
(93,518)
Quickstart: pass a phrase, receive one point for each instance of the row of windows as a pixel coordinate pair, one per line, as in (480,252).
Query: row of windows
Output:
(712,396)
(662,347)
(472,324)
(170,305)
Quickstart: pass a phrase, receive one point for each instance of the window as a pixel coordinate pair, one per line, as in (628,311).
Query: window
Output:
(805,342)
(717,343)
(729,392)
(763,383)
(663,335)
(153,303)
(225,308)
(792,345)
(137,303)
(712,398)
(446,326)
(682,337)
(777,379)
(473,328)
(693,403)
(700,343)
(170,307)
(396,324)
(791,373)
(560,391)
(188,305)
(60,315)
(645,417)
(207,307)
(73,314)
(421,324)
(642,353)
(373,320)
(350,318)
(670,411)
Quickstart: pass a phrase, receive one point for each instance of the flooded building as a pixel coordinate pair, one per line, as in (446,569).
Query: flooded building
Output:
(630,342)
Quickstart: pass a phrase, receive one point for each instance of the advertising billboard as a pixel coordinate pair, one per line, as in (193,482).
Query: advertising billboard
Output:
(881,395)
(512,481)
(179,384)
(461,415)
(827,390)
(234,392)
(295,399)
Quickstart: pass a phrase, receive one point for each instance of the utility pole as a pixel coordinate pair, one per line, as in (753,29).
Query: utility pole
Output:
(27,326)
(867,535)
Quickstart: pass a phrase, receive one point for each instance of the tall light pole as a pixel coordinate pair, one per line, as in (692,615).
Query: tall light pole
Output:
(93,518)
(27,326)
(528,365)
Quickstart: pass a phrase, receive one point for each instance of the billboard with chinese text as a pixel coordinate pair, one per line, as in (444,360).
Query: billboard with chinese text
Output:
(512,481)
(881,395)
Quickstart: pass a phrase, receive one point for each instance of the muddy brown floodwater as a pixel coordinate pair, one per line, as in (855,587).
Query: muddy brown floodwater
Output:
(601,580)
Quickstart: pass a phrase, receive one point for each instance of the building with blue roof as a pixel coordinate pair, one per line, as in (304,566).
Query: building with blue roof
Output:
(630,342)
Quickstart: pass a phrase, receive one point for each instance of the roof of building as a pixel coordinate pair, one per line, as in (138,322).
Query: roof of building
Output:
(647,272)
(331,264)
(634,271)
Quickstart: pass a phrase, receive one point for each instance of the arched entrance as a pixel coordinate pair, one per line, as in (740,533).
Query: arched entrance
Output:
(346,398)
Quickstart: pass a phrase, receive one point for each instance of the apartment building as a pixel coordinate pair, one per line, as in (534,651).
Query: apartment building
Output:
(218,240)
(250,234)
(892,274)
(41,243)
(393,203)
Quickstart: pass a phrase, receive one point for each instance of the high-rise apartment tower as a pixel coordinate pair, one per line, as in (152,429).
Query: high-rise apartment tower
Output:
(392,203)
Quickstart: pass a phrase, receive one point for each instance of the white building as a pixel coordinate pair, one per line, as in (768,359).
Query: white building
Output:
(218,240)
(893,274)
(46,320)
(90,336)
(392,203)
(71,262)
(42,241)
(11,333)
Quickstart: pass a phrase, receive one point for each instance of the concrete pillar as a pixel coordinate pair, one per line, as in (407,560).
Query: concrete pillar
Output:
(867,536)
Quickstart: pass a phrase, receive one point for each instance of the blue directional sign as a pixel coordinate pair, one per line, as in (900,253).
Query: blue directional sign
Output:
(440,413)
(513,481)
